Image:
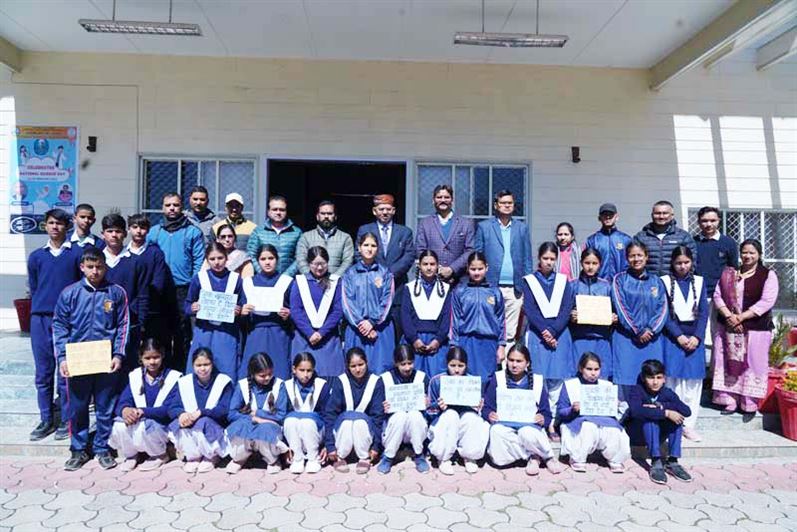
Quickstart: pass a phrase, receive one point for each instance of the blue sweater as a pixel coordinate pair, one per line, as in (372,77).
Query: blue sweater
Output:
(412,326)
(202,393)
(713,256)
(336,405)
(477,310)
(157,276)
(666,399)
(49,275)
(184,250)
(261,393)
(130,275)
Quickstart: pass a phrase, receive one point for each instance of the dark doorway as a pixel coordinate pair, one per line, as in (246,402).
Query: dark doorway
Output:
(350,184)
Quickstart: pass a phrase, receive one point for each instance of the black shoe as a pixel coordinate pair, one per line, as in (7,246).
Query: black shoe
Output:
(747,417)
(62,432)
(77,460)
(42,430)
(658,475)
(106,461)
(675,469)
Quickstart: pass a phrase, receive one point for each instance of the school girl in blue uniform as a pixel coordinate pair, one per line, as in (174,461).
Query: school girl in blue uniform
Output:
(513,441)
(547,302)
(307,395)
(257,410)
(426,315)
(367,294)
(199,414)
(592,338)
(478,323)
(354,415)
(684,334)
(220,337)
(142,412)
(402,426)
(583,435)
(640,301)
(316,311)
(268,332)
(455,429)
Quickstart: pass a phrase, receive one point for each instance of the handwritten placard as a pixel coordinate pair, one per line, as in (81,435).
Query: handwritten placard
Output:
(88,358)
(265,299)
(599,400)
(594,310)
(217,306)
(515,405)
(462,391)
(406,397)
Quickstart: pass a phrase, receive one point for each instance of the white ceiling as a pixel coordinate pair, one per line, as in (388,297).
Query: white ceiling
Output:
(614,33)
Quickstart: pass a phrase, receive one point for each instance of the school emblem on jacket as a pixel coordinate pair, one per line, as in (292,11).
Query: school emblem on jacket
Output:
(378,282)
(107,306)
(490,300)
(654,291)
(619,245)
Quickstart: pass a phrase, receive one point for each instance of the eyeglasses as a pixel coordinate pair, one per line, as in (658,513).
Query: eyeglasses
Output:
(225,237)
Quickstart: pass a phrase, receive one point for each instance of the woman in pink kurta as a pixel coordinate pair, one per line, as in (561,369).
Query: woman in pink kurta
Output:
(744,300)
(568,261)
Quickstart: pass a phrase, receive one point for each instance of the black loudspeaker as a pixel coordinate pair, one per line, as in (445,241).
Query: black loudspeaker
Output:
(576,153)
(92,146)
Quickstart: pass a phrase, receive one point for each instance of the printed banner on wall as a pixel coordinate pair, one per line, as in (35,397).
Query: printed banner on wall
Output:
(43,174)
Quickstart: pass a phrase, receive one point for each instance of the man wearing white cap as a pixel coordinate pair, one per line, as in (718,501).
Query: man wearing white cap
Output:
(234,203)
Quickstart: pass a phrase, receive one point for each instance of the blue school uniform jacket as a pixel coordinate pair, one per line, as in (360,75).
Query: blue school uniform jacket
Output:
(156,275)
(412,326)
(48,275)
(130,275)
(683,294)
(336,410)
(307,400)
(367,293)
(537,322)
(157,397)
(566,414)
(590,286)
(85,313)
(299,314)
(477,310)
(275,412)
(527,382)
(666,399)
(611,245)
(675,325)
(640,302)
(202,391)
(218,281)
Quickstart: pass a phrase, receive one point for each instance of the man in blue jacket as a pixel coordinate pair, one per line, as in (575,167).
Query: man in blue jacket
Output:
(507,245)
(89,310)
(661,236)
(183,247)
(279,231)
(610,242)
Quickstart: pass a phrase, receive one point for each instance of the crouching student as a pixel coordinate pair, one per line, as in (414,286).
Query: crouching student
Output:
(142,413)
(354,415)
(455,429)
(404,426)
(511,441)
(304,425)
(257,410)
(199,414)
(583,435)
(657,414)
(89,310)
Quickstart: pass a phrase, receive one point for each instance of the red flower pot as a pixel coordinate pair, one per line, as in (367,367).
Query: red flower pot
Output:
(23,314)
(787,404)
(769,404)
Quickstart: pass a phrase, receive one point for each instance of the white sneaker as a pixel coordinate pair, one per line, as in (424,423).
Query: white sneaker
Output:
(233,467)
(273,469)
(297,467)
(153,462)
(446,468)
(206,466)
(471,467)
(129,464)
(312,467)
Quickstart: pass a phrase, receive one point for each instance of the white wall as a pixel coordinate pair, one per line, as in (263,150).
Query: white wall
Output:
(637,146)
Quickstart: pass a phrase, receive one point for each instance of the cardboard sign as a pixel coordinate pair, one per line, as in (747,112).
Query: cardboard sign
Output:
(265,299)
(88,358)
(515,405)
(461,391)
(600,400)
(217,306)
(406,397)
(594,310)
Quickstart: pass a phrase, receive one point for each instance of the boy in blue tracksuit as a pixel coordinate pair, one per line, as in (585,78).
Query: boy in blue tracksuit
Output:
(610,243)
(50,270)
(83,220)
(89,310)
(125,270)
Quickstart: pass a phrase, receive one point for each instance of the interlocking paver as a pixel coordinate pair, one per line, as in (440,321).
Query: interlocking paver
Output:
(443,518)
(340,502)
(534,501)
(69,499)
(304,501)
(321,518)
(788,522)
(111,499)
(66,515)
(719,498)
(415,502)
(628,526)
(192,516)
(224,501)
(266,501)
(35,498)
(566,516)
(752,526)
(26,514)
(711,526)
(147,501)
(643,516)
(683,516)
(402,519)
(786,497)
(594,527)
(672,526)
(485,518)
(153,517)
(76,527)
(108,516)
(379,502)
(359,518)
(185,501)
(233,518)
(494,501)
(424,528)
(523,516)
(6,496)
(457,502)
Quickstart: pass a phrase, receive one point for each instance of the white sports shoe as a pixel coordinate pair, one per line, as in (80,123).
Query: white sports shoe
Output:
(446,468)
(297,467)
(312,467)
(471,467)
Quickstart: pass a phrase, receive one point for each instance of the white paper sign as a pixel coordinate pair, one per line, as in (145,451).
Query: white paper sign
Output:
(265,299)
(461,391)
(406,397)
(515,405)
(599,400)
(217,306)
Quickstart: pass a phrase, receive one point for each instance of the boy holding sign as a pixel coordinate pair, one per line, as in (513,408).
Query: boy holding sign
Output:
(91,310)
(516,406)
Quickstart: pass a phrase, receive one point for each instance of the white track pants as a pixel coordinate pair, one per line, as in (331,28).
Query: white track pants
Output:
(466,434)
(403,427)
(508,445)
(146,436)
(353,434)
(612,442)
(195,446)
(241,449)
(303,438)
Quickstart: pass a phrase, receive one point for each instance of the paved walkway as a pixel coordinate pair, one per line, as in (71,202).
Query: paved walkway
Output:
(38,495)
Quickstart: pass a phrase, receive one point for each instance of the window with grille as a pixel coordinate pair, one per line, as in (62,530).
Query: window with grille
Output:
(220,176)
(474,186)
(777,232)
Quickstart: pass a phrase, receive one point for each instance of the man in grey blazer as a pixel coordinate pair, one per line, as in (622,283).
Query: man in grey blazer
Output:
(326,234)
(449,235)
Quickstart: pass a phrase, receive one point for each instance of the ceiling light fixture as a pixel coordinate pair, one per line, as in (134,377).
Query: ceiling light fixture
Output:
(511,40)
(139,27)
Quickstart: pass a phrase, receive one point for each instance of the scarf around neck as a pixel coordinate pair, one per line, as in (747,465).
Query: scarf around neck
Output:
(171,226)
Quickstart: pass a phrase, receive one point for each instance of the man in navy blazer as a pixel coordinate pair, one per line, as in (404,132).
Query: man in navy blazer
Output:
(396,248)
(506,243)
(449,235)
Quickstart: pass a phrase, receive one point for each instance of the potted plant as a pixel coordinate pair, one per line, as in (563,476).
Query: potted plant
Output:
(786,393)
(779,351)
